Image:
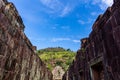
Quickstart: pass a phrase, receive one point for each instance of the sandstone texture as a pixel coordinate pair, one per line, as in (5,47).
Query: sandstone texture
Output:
(99,56)
(57,72)
(18,60)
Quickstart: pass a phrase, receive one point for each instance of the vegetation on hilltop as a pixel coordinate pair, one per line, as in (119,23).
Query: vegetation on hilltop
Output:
(56,56)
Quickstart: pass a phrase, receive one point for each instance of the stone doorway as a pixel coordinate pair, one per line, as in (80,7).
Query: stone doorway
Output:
(81,76)
(97,71)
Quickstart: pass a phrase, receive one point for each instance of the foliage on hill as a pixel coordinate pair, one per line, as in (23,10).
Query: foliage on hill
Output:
(56,57)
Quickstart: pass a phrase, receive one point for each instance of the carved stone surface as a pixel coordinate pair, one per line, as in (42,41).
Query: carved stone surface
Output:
(57,72)
(18,60)
(99,56)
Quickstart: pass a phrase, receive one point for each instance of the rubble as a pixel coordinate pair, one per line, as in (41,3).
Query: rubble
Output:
(57,72)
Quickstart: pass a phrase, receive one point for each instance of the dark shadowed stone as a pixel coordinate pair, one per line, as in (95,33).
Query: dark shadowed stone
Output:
(18,58)
(99,56)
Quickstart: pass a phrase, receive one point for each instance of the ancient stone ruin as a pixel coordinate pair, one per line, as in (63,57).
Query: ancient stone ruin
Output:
(99,56)
(57,72)
(18,60)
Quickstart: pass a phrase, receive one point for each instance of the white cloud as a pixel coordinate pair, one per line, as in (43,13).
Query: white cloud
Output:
(57,7)
(60,39)
(103,4)
(81,22)
(94,2)
(107,2)
(94,13)
(64,39)
(52,4)
(76,41)
(65,11)
(85,22)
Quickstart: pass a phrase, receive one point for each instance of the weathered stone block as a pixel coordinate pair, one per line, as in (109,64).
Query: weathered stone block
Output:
(101,50)
(18,60)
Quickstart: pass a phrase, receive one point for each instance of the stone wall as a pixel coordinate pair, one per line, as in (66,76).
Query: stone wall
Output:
(18,60)
(99,56)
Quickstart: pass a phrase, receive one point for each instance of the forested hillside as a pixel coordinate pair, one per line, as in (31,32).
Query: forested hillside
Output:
(57,56)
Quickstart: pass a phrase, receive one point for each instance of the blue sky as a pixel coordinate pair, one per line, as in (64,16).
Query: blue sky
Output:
(53,23)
